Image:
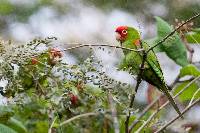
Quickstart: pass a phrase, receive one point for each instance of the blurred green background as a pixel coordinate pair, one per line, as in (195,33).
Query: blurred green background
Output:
(22,20)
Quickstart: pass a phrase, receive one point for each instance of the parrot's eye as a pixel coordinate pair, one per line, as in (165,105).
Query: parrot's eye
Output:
(124,32)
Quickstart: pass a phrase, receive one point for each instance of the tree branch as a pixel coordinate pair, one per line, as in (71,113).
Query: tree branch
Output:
(195,93)
(114,113)
(79,45)
(174,119)
(78,116)
(170,34)
(166,103)
(144,112)
(150,106)
(50,128)
(153,103)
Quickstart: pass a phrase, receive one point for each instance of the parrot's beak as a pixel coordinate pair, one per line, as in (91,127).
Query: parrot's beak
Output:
(118,36)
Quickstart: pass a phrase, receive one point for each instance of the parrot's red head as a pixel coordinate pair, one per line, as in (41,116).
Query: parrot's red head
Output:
(121,33)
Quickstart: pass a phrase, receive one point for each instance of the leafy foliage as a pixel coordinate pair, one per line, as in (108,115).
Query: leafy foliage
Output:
(173,46)
(5,129)
(189,70)
(188,93)
(44,87)
(193,37)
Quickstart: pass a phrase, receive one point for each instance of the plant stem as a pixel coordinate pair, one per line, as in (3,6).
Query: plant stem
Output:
(114,113)
(50,128)
(79,45)
(78,116)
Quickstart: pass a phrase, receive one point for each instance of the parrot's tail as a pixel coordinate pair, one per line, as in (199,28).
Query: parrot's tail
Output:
(171,100)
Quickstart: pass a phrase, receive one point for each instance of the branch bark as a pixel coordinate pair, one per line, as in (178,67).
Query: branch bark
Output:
(78,116)
(79,45)
(174,119)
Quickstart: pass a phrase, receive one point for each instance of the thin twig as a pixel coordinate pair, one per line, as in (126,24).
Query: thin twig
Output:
(171,33)
(196,92)
(166,103)
(187,80)
(139,80)
(174,119)
(38,85)
(144,112)
(78,116)
(114,113)
(79,45)
(49,131)
(190,49)
(175,81)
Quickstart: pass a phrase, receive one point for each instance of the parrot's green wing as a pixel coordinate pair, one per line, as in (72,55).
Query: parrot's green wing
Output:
(154,76)
(131,61)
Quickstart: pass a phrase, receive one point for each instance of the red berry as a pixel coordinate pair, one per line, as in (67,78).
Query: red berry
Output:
(34,61)
(73,99)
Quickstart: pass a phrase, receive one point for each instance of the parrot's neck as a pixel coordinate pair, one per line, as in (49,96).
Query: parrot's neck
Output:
(132,43)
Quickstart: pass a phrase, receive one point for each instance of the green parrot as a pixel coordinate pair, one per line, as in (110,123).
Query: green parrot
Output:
(152,73)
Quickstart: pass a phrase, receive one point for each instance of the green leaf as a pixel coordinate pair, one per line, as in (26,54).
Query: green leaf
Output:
(5,113)
(42,127)
(173,46)
(189,70)
(152,42)
(193,37)
(5,129)
(188,93)
(16,125)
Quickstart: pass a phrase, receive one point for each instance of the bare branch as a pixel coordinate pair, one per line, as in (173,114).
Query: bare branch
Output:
(49,131)
(79,45)
(151,105)
(174,119)
(195,93)
(144,112)
(78,116)
(165,104)
(187,80)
